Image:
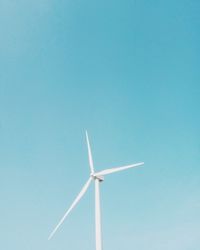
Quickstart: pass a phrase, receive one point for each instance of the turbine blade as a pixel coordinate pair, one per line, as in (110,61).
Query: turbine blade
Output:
(89,154)
(113,170)
(80,195)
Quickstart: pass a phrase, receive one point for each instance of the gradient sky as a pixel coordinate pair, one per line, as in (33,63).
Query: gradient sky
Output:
(128,72)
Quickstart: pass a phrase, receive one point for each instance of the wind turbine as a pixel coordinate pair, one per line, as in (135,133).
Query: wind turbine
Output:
(97,177)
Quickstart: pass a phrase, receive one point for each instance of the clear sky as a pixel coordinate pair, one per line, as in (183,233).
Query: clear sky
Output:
(128,72)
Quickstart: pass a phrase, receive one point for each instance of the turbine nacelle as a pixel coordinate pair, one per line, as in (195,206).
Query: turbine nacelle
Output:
(97,177)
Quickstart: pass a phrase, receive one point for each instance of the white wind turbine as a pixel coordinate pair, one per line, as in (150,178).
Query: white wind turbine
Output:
(97,177)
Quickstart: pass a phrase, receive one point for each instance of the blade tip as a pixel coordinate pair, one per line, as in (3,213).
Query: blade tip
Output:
(141,164)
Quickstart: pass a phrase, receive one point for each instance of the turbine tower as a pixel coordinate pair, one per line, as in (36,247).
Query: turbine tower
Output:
(97,177)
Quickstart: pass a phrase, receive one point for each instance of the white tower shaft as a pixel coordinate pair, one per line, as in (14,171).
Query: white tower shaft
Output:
(98,216)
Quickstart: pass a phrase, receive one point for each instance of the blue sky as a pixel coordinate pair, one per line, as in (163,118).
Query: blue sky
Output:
(128,72)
